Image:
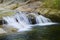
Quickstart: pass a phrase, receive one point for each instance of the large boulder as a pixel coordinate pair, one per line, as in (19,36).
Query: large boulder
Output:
(32,18)
(12,6)
(29,7)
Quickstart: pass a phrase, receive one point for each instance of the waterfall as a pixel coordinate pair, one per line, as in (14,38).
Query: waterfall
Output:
(42,19)
(22,22)
(21,16)
(39,18)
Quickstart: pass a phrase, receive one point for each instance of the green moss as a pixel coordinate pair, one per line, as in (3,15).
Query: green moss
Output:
(55,4)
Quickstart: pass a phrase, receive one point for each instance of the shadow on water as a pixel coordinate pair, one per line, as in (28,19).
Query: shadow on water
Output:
(47,32)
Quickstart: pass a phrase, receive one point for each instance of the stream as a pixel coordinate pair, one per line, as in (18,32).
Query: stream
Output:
(30,26)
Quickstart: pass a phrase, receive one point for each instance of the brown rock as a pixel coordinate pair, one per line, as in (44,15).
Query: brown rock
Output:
(24,9)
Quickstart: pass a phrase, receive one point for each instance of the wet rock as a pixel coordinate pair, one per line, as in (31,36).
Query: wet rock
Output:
(30,7)
(2,22)
(53,14)
(2,31)
(32,18)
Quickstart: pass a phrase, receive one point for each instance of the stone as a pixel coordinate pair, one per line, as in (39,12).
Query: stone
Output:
(2,22)
(12,6)
(10,29)
(53,14)
(31,18)
(6,13)
(2,31)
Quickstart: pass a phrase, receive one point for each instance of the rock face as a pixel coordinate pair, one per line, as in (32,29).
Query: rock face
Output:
(4,13)
(31,18)
(53,14)
(2,22)
(30,7)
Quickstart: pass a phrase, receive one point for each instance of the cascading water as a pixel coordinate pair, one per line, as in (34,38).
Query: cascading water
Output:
(21,25)
(42,19)
(20,16)
(21,21)
(39,18)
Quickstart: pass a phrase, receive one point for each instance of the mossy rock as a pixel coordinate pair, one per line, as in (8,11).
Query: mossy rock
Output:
(6,13)
(12,6)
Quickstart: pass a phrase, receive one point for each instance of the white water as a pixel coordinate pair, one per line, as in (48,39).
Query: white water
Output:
(20,21)
(41,19)
(20,16)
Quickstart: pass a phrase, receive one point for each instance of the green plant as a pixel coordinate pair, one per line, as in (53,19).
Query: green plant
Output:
(55,4)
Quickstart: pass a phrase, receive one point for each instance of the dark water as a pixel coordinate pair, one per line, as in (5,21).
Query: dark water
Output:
(47,32)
